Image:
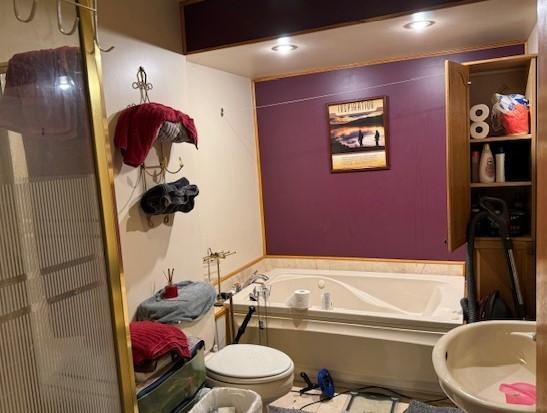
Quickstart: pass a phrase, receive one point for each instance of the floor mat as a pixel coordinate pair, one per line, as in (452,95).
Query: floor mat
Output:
(419,407)
(370,403)
(275,409)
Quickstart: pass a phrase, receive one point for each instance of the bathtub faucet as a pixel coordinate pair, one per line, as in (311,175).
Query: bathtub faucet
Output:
(255,278)
(262,290)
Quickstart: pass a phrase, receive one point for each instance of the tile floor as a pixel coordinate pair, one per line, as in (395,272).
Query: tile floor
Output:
(294,400)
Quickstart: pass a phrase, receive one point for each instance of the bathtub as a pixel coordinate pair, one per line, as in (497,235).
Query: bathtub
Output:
(380,330)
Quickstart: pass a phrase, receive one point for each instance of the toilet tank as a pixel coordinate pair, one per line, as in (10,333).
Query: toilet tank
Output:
(203,328)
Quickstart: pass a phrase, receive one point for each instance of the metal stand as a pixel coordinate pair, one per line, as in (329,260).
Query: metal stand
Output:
(216,257)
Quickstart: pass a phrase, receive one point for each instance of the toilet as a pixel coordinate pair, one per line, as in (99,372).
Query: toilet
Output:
(267,371)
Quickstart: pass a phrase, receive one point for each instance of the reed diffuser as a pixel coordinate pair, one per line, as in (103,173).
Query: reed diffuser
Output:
(171,290)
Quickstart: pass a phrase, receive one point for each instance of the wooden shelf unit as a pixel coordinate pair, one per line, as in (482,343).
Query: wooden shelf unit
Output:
(500,184)
(468,84)
(508,138)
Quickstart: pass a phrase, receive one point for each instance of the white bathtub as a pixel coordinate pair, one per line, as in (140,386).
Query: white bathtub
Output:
(381,329)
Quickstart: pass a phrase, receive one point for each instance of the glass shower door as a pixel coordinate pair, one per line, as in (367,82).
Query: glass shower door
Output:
(57,346)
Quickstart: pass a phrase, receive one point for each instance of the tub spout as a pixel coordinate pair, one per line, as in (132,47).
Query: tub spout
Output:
(257,278)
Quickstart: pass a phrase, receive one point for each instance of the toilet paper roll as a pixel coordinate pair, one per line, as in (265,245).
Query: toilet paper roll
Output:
(300,299)
(479,130)
(479,113)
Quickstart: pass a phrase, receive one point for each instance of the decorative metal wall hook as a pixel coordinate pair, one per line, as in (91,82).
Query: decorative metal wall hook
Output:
(60,20)
(30,16)
(162,167)
(143,85)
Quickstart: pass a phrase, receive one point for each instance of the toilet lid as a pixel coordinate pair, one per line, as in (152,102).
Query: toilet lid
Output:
(248,361)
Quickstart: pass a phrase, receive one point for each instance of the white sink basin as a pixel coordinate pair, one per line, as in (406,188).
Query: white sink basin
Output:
(473,360)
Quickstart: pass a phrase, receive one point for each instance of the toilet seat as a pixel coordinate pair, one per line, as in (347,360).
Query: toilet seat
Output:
(249,364)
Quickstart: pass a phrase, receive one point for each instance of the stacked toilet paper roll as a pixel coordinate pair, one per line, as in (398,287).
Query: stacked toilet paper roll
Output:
(300,299)
(479,128)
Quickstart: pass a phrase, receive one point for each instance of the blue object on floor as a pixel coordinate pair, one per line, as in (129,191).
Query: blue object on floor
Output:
(326,384)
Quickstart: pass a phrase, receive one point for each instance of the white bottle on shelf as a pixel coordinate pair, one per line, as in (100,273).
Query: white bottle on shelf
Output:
(487,169)
(500,166)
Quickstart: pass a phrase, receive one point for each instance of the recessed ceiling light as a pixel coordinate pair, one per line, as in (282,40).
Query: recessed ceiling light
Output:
(284,48)
(419,25)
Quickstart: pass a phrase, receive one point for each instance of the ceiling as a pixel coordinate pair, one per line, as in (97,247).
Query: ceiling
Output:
(462,27)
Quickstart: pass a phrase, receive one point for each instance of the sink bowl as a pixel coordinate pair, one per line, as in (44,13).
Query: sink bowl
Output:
(473,360)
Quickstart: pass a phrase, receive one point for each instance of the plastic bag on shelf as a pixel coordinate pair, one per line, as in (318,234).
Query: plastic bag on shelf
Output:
(510,114)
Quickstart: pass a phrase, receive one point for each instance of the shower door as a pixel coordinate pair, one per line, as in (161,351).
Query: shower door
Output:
(63,336)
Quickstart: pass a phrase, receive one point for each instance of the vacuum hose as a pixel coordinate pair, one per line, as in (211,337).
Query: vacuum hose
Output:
(501,218)
(470,304)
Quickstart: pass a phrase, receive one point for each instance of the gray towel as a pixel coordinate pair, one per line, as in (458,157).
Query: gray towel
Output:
(172,132)
(194,300)
(169,198)
(419,407)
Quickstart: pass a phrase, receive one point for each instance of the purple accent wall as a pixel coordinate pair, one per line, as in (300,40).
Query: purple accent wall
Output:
(396,213)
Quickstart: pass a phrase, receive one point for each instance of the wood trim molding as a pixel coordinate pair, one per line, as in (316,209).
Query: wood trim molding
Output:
(460,264)
(259,169)
(394,260)
(237,271)
(219,312)
(541,229)
(108,213)
(390,60)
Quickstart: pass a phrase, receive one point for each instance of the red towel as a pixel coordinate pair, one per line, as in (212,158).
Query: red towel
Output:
(138,126)
(151,340)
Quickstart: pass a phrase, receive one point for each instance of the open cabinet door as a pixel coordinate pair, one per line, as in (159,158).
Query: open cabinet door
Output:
(457,152)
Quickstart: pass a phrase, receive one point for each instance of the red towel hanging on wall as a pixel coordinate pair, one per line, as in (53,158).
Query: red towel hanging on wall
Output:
(138,126)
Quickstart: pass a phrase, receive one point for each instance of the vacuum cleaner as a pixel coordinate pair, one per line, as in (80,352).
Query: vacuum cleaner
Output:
(491,307)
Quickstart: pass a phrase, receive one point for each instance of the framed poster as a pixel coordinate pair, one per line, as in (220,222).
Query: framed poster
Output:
(358,135)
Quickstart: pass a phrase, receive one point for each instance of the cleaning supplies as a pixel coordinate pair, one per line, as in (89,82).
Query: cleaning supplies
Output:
(475,161)
(326,301)
(487,171)
(500,165)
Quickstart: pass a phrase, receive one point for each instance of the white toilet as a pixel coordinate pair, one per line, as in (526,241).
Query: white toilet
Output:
(265,370)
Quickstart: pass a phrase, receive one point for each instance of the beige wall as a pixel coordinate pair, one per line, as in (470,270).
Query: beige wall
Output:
(532,42)
(17,37)
(226,215)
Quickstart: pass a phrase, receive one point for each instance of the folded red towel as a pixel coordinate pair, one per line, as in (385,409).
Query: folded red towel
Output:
(138,126)
(151,340)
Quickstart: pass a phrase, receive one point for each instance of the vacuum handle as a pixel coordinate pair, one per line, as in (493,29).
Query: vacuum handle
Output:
(491,204)
(241,329)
